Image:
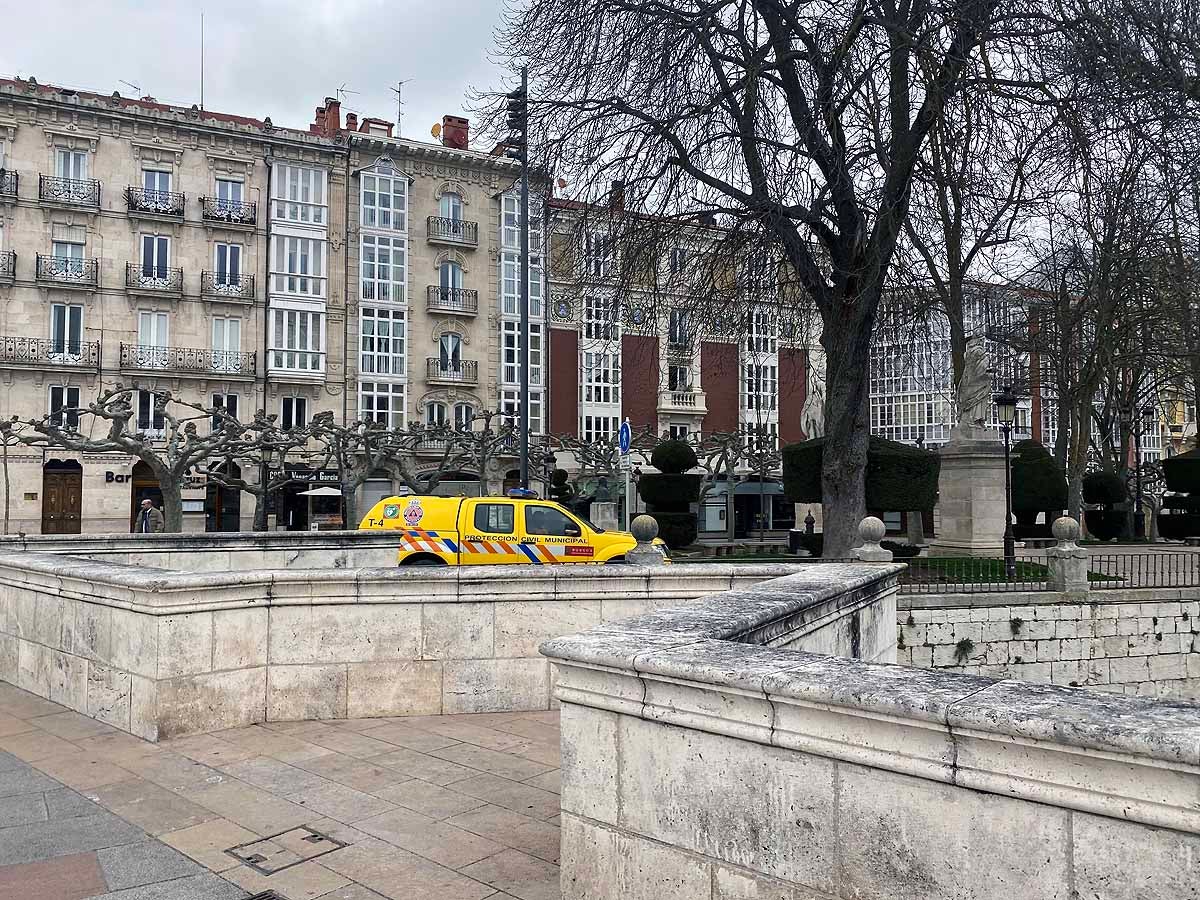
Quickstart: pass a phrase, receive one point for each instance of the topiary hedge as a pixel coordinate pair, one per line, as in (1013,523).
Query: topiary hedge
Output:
(678,529)
(670,493)
(1105,488)
(1039,483)
(1182,472)
(900,478)
(559,489)
(673,457)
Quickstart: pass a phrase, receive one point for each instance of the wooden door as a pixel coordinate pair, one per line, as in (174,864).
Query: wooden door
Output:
(62,502)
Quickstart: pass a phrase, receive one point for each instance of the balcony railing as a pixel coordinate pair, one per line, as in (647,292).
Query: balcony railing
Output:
(8,265)
(155,203)
(227,286)
(689,401)
(153,279)
(188,360)
(23,351)
(452,300)
(228,212)
(464,371)
(71,191)
(68,271)
(453,231)
(10,183)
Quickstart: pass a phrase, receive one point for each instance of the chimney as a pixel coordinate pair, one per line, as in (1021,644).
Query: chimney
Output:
(328,118)
(352,121)
(616,197)
(455,132)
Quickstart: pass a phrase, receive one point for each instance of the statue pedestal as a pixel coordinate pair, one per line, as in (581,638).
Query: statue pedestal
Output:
(604,515)
(970,498)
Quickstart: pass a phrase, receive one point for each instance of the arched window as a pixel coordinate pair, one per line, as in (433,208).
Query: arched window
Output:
(450,275)
(436,414)
(450,206)
(463,414)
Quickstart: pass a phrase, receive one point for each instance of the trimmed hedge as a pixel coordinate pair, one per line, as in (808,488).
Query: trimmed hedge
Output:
(1182,472)
(901,551)
(1105,524)
(1039,483)
(559,489)
(670,493)
(900,478)
(673,457)
(1104,487)
(678,529)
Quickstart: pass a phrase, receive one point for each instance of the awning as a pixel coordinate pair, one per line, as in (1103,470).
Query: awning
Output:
(320,492)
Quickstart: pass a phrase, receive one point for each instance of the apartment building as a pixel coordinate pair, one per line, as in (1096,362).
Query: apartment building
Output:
(165,249)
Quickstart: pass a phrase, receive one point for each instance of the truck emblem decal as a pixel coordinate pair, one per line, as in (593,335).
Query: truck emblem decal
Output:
(413,513)
(391,511)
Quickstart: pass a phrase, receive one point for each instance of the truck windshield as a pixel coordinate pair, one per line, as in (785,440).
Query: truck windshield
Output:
(588,522)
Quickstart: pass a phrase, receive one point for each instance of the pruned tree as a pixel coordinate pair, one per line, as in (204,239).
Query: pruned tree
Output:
(765,115)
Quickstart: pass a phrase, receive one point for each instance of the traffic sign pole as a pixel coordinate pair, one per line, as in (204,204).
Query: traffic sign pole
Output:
(624,440)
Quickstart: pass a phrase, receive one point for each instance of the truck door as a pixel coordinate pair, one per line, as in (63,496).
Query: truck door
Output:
(488,533)
(551,536)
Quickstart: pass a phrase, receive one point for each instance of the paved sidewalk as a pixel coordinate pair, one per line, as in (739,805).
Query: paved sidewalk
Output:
(422,808)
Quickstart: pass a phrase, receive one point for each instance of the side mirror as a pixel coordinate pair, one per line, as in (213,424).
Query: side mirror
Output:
(572,531)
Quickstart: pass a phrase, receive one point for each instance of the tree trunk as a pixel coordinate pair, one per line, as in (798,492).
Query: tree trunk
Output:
(172,496)
(349,505)
(260,511)
(730,508)
(847,430)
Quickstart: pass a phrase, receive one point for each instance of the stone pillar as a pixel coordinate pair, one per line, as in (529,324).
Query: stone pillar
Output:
(871,531)
(644,530)
(970,499)
(916,528)
(604,514)
(1067,561)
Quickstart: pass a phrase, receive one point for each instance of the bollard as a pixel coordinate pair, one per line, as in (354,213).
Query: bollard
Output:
(872,530)
(1066,561)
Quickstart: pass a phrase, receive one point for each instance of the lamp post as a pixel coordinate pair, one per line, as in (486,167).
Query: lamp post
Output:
(1006,412)
(1144,423)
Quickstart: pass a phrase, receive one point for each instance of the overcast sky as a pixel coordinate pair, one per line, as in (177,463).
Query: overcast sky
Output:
(264,57)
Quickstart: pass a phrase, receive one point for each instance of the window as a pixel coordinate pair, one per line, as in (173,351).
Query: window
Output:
(226,402)
(758,271)
(156,182)
(450,206)
(71,164)
(150,416)
(760,387)
(679,378)
(382,268)
(510,409)
(494,518)
(600,380)
(450,276)
(600,315)
(677,432)
(549,521)
(381,343)
(66,330)
(226,344)
(597,252)
(450,352)
(598,428)
(464,416)
(229,264)
(156,256)
(296,340)
(152,329)
(299,266)
(678,260)
(510,355)
(299,194)
(677,328)
(384,201)
(436,414)
(510,260)
(68,257)
(229,194)
(761,336)
(64,406)
(381,402)
(293,412)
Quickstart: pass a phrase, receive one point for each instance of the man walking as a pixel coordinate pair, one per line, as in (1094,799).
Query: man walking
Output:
(149,519)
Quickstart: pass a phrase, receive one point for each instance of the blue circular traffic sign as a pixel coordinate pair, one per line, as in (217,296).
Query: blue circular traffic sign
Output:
(624,437)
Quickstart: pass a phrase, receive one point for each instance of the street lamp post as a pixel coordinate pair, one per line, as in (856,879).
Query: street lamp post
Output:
(1006,412)
(1139,520)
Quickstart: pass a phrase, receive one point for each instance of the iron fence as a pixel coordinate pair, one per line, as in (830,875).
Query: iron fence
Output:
(1141,570)
(73,191)
(228,212)
(10,183)
(8,265)
(157,203)
(455,231)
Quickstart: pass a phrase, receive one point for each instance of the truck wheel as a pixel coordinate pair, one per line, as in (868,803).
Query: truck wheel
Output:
(615,561)
(425,561)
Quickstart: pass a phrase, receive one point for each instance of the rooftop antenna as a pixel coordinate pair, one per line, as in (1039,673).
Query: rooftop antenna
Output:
(398,90)
(137,88)
(342,92)
(202,59)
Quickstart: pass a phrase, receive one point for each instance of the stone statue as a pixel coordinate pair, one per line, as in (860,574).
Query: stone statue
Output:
(974,388)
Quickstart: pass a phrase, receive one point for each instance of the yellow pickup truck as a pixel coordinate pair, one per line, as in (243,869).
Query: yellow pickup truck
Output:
(484,531)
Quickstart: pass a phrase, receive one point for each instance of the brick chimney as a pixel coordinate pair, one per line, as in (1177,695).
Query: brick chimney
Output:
(616,196)
(455,132)
(352,121)
(328,118)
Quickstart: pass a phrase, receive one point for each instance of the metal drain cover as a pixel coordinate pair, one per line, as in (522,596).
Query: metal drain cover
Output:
(281,851)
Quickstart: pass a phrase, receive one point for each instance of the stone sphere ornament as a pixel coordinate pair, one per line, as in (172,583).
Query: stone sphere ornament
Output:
(644,529)
(871,530)
(1065,530)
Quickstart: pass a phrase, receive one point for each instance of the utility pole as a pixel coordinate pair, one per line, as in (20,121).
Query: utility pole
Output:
(518,126)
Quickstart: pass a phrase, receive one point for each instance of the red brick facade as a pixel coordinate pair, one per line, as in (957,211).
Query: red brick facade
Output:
(719,368)
(639,380)
(564,381)
(793,383)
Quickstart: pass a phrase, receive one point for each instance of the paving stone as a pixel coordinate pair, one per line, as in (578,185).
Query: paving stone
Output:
(532,728)
(22,809)
(522,798)
(274,776)
(351,743)
(266,742)
(305,881)
(429,799)
(356,773)
(24,705)
(71,725)
(412,738)
(357,892)
(476,734)
(68,804)
(512,829)
(207,842)
(518,874)
(81,770)
(252,808)
(8,762)
(34,745)
(434,840)
(150,806)
(131,865)
(503,764)
(25,781)
(62,878)
(428,768)
(13,725)
(26,843)
(197,887)
(208,750)
(399,875)
(547,781)
(340,802)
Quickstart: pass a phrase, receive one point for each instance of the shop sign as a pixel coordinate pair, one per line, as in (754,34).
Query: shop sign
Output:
(309,476)
(117,478)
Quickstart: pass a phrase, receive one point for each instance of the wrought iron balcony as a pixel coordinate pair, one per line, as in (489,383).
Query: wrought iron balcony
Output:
(228,212)
(452,300)
(224,286)
(68,271)
(69,191)
(8,265)
(463,371)
(188,360)
(24,351)
(453,231)
(10,183)
(143,279)
(155,203)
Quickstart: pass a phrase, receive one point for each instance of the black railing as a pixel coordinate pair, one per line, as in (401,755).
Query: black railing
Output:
(223,284)
(463,371)
(69,270)
(972,575)
(1164,568)
(158,203)
(187,359)
(453,230)
(228,212)
(452,299)
(8,265)
(158,279)
(74,191)
(23,351)
(10,183)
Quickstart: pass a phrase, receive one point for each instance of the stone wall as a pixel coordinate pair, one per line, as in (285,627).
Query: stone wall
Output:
(1132,641)
(698,764)
(160,653)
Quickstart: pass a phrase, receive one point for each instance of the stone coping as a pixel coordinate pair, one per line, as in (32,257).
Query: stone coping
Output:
(691,666)
(1048,598)
(161,591)
(168,542)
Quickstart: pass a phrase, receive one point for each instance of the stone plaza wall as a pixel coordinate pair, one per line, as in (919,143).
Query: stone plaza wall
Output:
(698,765)
(1133,641)
(159,653)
